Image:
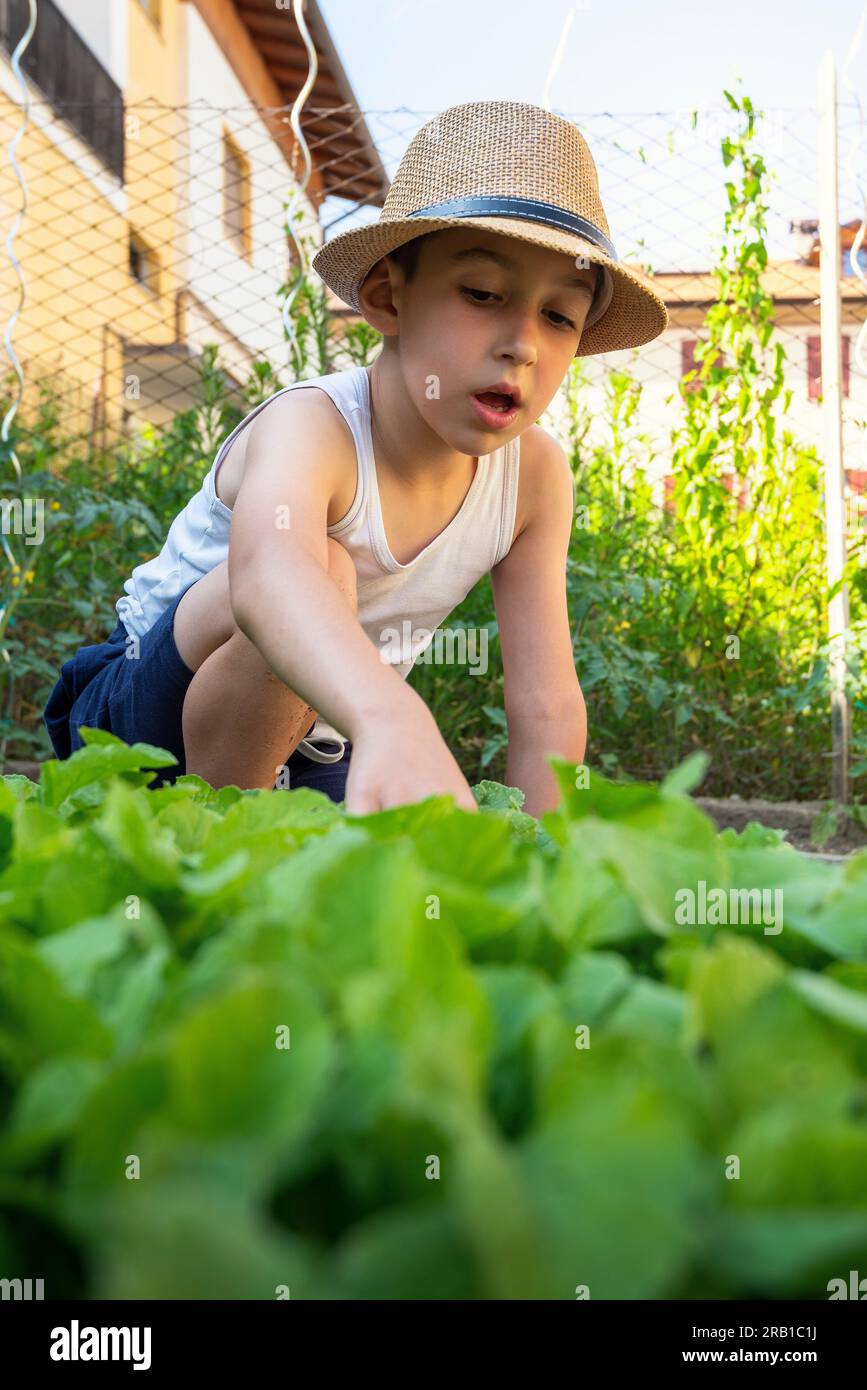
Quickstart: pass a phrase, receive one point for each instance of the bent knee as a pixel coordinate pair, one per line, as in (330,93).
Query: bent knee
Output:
(341,567)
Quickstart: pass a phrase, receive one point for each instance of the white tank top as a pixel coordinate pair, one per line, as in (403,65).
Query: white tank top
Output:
(399,606)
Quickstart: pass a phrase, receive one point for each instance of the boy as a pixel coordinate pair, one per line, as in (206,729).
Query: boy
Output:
(378,495)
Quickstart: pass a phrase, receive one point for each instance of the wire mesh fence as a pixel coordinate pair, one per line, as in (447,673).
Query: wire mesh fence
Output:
(136,291)
(128,280)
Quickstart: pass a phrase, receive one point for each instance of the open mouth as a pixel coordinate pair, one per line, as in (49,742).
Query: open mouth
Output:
(496,400)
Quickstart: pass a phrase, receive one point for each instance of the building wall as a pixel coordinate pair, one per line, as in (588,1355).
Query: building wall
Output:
(71,249)
(87,323)
(243,284)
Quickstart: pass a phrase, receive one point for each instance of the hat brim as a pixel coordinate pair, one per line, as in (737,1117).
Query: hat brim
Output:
(635,316)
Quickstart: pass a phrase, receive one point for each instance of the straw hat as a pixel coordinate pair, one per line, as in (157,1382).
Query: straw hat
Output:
(518,170)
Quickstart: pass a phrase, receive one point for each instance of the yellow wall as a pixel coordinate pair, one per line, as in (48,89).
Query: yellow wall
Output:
(73,244)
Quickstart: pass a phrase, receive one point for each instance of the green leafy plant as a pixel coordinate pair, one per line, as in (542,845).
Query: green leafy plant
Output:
(250,1044)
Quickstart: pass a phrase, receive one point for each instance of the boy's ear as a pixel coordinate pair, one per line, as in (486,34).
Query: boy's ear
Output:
(379,295)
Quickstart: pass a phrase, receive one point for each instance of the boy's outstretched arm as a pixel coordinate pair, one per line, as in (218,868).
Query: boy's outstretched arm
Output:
(544,705)
(285,601)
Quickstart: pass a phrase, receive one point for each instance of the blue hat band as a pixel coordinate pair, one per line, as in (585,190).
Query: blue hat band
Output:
(484,205)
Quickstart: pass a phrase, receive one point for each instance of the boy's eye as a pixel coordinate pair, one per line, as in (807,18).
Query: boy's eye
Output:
(564,321)
(465,289)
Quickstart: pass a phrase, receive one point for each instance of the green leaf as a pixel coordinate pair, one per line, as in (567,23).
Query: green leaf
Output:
(516,998)
(652,871)
(412,1252)
(787,1251)
(593,983)
(687,775)
(832,999)
(104,756)
(600,797)
(753,836)
(14,789)
(650,1012)
(726,977)
(127,827)
(613,1177)
(47,1106)
(825,825)
(38,1018)
(494,796)
(76,955)
(227,1073)
(162,1241)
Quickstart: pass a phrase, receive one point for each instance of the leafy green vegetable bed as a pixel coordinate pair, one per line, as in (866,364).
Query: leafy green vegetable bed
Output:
(251,1046)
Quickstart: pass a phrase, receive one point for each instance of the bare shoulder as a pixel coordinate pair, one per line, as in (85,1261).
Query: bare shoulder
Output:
(545,477)
(298,411)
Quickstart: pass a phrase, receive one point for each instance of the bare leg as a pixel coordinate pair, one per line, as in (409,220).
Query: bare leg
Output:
(240,721)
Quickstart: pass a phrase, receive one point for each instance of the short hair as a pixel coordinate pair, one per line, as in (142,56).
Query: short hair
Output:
(406,255)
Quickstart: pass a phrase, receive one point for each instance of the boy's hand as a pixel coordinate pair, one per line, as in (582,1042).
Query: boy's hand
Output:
(403,759)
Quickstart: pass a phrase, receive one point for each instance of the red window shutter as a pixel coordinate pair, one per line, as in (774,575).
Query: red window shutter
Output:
(857,479)
(688,362)
(729,481)
(814,365)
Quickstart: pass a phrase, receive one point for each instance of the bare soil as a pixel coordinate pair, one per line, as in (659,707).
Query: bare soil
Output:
(797,818)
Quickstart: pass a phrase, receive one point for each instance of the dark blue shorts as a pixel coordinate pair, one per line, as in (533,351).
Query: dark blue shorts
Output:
(140,700)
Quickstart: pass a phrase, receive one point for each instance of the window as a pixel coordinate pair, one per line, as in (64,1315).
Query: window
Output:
(72,78)
(236,197)
(814,366)
(689,364)
(143,264)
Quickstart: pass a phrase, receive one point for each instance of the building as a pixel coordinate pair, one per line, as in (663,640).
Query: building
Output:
(159,162)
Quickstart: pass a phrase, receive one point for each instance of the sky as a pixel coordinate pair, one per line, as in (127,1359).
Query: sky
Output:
(620,55)
(629,74)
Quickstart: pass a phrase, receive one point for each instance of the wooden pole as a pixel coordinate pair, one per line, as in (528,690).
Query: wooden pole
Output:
(832,401)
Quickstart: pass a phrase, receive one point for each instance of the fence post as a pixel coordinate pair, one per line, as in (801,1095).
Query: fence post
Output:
(835,527)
